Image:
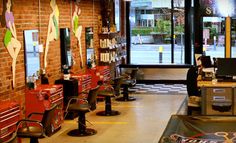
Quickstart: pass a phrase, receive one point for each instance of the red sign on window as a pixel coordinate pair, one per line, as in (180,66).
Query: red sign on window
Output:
(206,33)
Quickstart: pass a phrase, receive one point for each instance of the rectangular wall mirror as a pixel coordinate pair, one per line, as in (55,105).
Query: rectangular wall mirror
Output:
(66,55)
(32,61)
(90,53)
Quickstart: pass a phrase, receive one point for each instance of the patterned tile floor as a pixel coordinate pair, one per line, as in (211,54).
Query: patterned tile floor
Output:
(174,89)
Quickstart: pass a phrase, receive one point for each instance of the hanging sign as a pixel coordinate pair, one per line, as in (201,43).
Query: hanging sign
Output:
(223,8)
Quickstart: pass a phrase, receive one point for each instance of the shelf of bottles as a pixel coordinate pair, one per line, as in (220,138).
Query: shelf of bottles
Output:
(112,48)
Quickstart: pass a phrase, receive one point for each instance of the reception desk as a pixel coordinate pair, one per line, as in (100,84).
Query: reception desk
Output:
(202,83)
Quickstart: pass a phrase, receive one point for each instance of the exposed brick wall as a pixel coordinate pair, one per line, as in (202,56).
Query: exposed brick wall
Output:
(28,16)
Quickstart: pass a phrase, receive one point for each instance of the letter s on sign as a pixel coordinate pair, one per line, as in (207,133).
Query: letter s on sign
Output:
(208,10)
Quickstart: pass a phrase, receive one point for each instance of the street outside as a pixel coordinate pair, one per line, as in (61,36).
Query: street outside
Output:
(149,53)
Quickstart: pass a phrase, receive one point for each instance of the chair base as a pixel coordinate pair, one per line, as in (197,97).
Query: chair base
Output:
(34,140)
(125,99)
(110,113)
(77,133)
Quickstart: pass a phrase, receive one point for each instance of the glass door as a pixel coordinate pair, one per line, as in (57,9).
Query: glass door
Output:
(214,36)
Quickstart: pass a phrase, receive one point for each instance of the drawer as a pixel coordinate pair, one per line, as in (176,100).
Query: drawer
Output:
(217,93)
(219,108)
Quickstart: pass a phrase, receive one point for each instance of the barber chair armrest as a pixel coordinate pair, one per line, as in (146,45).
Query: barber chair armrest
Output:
(107,87)
(83,95)
(28,120)
(72,98)
(84,92)
(77,99)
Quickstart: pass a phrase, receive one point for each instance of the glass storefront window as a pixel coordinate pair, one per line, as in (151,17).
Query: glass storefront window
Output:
(151,32)
(233,38)
(214,36)
(179,32)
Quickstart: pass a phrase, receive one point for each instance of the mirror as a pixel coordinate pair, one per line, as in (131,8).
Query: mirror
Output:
(66,55)
(32,60)
(89,47)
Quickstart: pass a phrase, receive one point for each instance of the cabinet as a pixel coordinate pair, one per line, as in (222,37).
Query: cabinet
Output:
(218,100)
(112,51)
(9,116)
(43,97)
(70,88)
(84,82)
(99,73)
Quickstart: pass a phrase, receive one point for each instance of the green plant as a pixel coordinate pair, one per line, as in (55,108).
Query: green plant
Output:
(141,31)
(213,32)
(162,26)
(179,29)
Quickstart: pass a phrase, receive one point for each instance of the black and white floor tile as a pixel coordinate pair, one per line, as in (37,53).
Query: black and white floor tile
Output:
(174,89)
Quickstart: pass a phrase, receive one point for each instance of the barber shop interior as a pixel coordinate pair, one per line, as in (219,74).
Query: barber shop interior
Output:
(120,71)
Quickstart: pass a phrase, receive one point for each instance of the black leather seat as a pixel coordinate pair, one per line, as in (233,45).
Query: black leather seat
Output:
(82,106)
(127,82)
(194,93)
(34,129)
(111,90)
